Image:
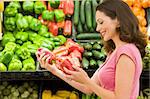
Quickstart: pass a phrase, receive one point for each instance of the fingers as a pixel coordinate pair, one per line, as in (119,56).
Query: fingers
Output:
(77,68)
(67,70)
(69,77)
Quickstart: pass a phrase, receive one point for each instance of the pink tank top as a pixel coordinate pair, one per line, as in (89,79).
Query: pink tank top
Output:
(106,72)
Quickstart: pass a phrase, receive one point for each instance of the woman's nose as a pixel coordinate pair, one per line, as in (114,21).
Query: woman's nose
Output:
(98,28)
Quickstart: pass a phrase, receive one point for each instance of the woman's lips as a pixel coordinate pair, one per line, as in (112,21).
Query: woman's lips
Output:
(102,33)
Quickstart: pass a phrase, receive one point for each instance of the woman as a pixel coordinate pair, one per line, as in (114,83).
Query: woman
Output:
(118,77)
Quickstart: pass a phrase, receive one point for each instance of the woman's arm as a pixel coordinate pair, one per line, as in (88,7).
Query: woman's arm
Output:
(125,70)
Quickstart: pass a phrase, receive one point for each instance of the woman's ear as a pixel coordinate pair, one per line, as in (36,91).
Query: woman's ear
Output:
(118,23)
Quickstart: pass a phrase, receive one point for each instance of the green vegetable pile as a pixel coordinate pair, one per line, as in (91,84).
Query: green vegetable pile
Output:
(9,90)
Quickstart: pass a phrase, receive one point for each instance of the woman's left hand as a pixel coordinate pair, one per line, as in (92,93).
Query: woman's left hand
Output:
(79,75)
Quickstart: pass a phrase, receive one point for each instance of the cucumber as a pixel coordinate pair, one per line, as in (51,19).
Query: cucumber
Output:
(87,96)
(99,62)
(86,28)
(88,36)
(98,55)
(82,11)
(94,5)
(93,63)
(96,46)
(83,96)
(148,15)
(88,14)
(76,12)
(79,28)
(92,30)
(85,63)
(87,54)
(87,46)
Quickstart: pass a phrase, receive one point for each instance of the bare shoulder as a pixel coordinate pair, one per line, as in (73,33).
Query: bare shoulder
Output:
(125,60)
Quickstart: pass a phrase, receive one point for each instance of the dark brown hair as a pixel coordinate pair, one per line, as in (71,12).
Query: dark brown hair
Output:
(129,26)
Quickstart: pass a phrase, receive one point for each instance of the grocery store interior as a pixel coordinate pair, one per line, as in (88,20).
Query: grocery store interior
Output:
(27,25)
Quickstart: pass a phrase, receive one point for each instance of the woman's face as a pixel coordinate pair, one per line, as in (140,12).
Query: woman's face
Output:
(106,26)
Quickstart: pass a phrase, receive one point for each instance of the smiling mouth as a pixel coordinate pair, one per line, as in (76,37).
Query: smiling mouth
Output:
(102,34)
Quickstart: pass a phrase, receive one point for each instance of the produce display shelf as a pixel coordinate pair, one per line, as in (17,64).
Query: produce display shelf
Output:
(43,75)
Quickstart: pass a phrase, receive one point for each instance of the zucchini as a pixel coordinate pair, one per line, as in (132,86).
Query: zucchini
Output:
(98,55)
(87,46)
(87,54)
(88,14)
(94,5)
(85,28)
(88,36)
(96,46)
(148,15)
(76,12)
(79,28)
(82,11)
(83,96)
(85,63)
(99,62)
(93,63)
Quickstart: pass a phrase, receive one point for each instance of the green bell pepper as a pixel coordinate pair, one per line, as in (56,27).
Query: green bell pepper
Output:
(8,37)
(10,23)
(2,67)
(21,37)
(62,39)
(44,31)
(18,16)
(32,35)
(35,24)
(29,60)
(38,40)
(7,57)
(31,47)
(29,64)
(10,46)
(54,3)
(22,24)
(48,15)
(10,11)
(15,4)
(25,44)
(28,6)
(59,15)
(39,7)
(23,52)
(15,64)
(28,18)
(46,43)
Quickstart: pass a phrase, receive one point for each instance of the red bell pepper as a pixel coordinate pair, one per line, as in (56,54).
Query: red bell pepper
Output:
(44,22)
(61,5)
(64,61)
(67,28)
(49,7)
(46,52)
(75,62)
(71,45)
(60,51)
(69,7)
(76,54)
(61,24)
(53,28)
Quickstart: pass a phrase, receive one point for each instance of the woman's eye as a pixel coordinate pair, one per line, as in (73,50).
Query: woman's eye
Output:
(100,22)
